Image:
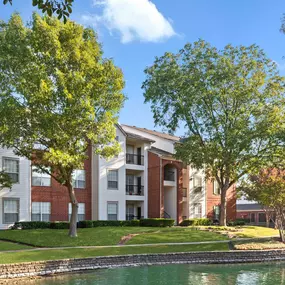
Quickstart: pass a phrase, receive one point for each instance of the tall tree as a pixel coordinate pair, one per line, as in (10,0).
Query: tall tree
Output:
(227,101)
(63,8)
(268,189)
(58,97)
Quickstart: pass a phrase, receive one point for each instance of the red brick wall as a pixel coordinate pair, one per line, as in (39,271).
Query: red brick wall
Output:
(215,200)
(59,198)
(154,205)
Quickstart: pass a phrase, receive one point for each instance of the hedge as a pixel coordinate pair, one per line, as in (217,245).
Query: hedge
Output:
(157,222)
(40,225)
(94,224)
(196,222)
(239,222)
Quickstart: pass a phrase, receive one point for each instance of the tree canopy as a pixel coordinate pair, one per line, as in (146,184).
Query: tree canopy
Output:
(62,8)
(58,96)
(229,102)
(5,181)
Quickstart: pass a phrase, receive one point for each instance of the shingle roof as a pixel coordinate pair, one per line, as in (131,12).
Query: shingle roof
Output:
(155,133)
(248,207)
(160,151)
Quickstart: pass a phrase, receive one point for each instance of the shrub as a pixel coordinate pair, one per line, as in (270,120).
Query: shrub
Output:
(31,225)
(85,224)
(158,222)
(132,223)
(238,222)
(59,225)
(196,222)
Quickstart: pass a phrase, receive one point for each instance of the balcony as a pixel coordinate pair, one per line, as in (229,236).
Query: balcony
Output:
(133,217)
(134,159)
(137,190)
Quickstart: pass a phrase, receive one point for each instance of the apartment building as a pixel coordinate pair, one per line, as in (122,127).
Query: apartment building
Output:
(15,203)
(120,185)
(50,200)
(178,191)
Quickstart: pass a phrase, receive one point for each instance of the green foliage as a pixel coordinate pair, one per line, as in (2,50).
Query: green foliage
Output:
(56,91)
(5,181)
(30,225)
(157,222)
(230,103)
(59,225)
(196,222)
(85,224)
(62,8)
(238,222)
(132,223)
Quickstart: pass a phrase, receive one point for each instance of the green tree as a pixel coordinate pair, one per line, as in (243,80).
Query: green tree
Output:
(58,96)
(227,101)
(5,181)
(62,8)
(268,189)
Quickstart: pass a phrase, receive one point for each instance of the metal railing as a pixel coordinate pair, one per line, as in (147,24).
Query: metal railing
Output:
(135,190)
(169,175)
(134,159)
(166,215)
(133,217)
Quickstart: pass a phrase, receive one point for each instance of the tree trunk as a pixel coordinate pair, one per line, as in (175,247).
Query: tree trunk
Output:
(223,211)
(267,219)
(74,212)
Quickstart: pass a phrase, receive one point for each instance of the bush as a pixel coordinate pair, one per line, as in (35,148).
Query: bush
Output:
(132,223)
(85,224)
(238,222)
(159,222)
(59,225)
(31,225)
(196,222)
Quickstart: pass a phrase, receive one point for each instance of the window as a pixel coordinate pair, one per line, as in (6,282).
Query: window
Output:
(112,209)
(216,212)
(40,178)
(10,211)
(252,217)
(198,210)
(80,214)
(112,176)
(11,167)
(78,178)
(41,211)
(217,189)
(197,181)
(261,217)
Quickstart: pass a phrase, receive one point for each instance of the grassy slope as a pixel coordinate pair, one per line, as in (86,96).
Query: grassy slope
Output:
(11,246)
(107,236)
(176,235)
(54,254)
(255,232)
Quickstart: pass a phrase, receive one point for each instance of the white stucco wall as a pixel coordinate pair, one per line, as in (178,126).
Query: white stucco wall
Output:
(21,190)
(197,197)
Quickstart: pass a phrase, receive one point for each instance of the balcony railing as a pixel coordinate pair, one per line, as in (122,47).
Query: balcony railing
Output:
(169,175)
(135,190)
(133,217)
(134,159)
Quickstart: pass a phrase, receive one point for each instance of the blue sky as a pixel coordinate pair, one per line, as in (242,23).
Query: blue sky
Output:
(134,33)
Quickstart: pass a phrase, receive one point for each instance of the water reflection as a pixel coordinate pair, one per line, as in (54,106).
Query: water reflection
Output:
(249,274)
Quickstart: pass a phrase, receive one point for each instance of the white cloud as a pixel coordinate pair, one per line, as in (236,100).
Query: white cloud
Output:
(133,19)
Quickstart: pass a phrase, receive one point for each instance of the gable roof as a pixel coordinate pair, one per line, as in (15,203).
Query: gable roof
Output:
(138,137)
(155,133)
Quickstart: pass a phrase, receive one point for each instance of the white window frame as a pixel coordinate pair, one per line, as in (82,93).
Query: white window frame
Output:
(41,207)
(117,210)
(18,166)
(3,207)
(197,183)
(75,182)
(113,188)
(81,206)
(198,213)
(41,176)
(216,188)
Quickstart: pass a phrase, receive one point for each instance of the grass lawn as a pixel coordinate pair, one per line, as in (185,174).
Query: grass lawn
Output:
(172,235)
(107,236)
(53,254)
(11,246)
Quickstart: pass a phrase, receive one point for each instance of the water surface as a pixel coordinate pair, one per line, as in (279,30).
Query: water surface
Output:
(177,274)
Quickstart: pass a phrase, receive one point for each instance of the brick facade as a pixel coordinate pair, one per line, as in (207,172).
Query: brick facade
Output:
(58,196)
(215,200)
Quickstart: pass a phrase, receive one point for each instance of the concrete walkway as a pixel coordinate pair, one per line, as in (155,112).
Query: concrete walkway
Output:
(135,245)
